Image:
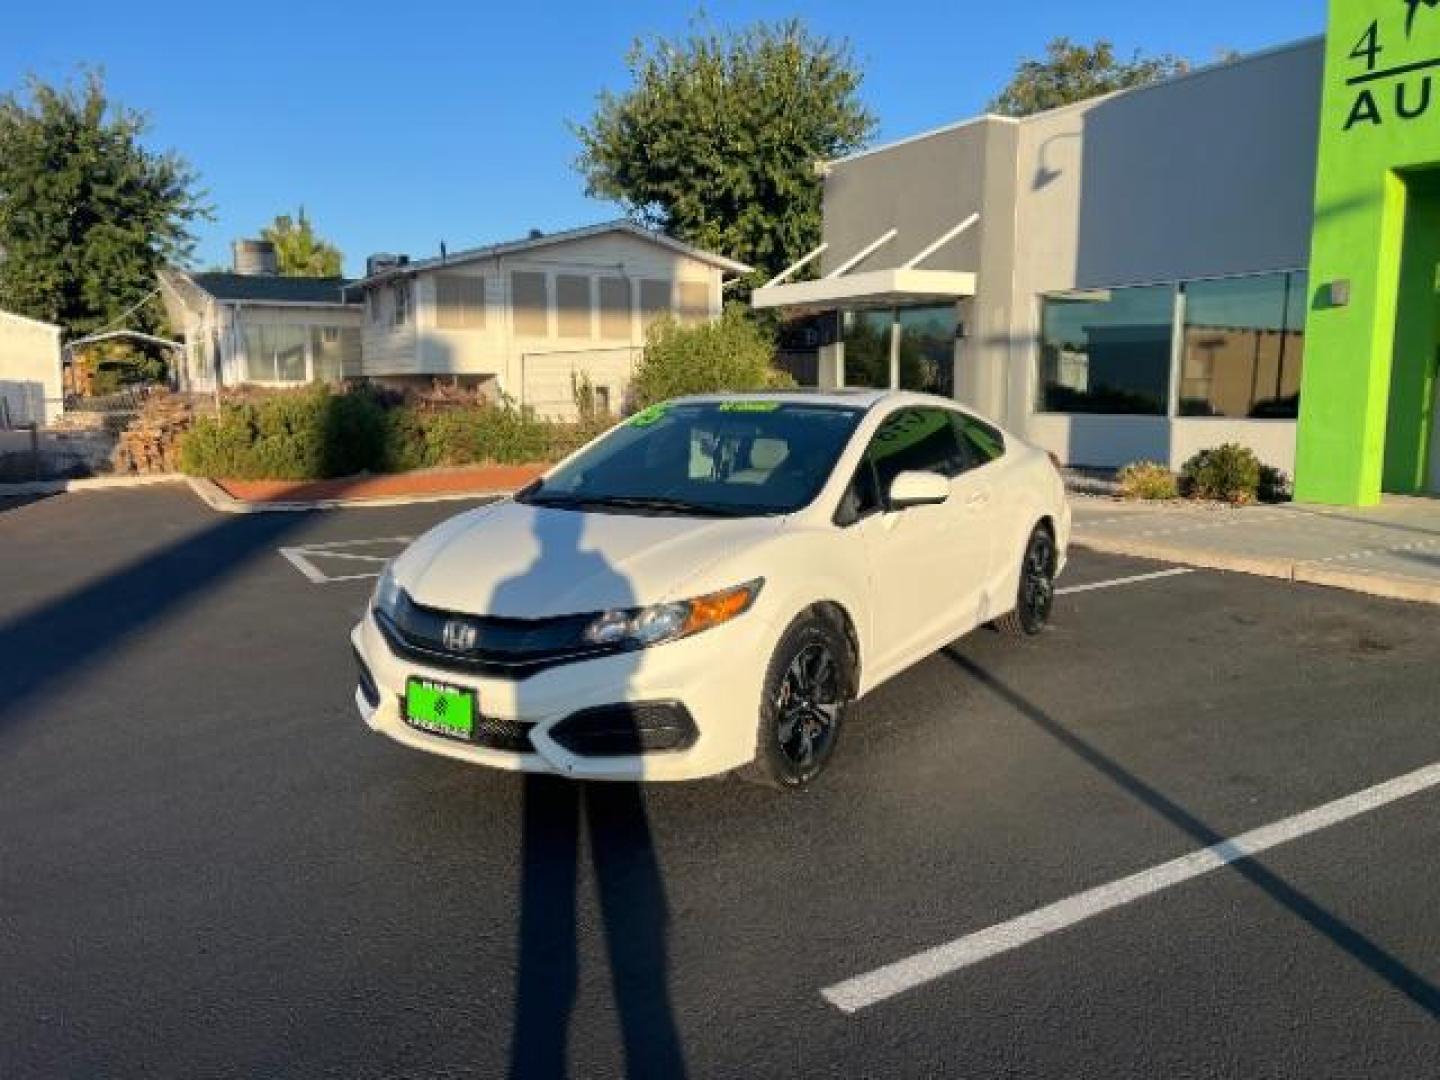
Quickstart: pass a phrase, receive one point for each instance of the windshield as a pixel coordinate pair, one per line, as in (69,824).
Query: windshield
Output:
(737,458)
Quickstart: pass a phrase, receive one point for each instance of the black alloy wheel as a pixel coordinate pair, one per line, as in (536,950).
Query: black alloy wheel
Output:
(807,703)
(1036,596)
(808,687)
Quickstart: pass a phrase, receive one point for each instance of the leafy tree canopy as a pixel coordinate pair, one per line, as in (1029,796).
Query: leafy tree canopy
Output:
(88,214)
(717,138)
(1073,71)
(300,251)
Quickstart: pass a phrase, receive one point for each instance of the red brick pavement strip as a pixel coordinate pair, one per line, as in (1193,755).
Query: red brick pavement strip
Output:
(480,479)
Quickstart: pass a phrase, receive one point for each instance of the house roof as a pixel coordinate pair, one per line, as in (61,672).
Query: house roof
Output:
(273,288)
(532,243)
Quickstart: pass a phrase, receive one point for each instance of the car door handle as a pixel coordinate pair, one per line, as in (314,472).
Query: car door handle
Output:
(977,500)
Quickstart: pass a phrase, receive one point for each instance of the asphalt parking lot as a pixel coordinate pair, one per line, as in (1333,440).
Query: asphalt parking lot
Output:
(209,867)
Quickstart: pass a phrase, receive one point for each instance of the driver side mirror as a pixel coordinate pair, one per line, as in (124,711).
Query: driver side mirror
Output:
(916,488)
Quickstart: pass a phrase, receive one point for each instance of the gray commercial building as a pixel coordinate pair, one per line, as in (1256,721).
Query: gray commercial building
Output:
(1117,280)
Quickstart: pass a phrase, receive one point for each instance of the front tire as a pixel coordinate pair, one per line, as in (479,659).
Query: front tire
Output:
(808,687)
(1036,595)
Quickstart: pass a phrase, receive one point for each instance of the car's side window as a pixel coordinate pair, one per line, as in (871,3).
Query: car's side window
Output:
(981,443)
(912,439)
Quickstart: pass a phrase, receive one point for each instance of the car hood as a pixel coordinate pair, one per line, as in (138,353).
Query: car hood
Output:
(522,561)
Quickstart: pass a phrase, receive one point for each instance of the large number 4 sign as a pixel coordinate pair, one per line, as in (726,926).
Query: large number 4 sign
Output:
(1368,48)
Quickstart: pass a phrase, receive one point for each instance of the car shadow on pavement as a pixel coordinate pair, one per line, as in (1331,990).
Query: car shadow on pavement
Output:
(1384,964)
(612,816)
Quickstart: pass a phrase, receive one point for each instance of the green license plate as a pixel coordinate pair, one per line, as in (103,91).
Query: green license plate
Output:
(440,709)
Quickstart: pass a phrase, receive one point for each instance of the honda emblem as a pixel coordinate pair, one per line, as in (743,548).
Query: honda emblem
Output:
(458,635)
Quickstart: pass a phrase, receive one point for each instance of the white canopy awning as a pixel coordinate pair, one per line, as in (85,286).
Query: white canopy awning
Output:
(874,289)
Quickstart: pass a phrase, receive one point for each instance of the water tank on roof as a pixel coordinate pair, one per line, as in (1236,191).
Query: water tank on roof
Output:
(383,261)
(255,257)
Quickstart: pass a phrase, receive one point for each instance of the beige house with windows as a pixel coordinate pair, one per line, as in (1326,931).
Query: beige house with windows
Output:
(255,326)
(528,318)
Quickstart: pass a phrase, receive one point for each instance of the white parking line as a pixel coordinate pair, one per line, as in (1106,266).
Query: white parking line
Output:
(861,992)
(328,544)
(297,560)
(303,556)
(1133,580)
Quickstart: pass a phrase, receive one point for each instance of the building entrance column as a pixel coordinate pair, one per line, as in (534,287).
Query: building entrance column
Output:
(1435,404)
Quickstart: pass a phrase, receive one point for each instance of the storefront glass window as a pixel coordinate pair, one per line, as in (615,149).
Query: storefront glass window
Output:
(867,348)
(1107,351)
(1244,347)
(927,348)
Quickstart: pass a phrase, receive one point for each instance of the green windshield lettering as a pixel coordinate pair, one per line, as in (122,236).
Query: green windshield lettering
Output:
(749,406)
(646,417)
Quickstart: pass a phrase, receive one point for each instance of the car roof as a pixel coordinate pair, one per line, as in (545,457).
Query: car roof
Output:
(854,398)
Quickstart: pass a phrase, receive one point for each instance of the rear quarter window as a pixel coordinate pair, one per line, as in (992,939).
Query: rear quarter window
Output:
(983,442)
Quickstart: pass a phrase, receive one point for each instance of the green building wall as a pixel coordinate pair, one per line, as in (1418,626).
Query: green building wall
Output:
(1373,332)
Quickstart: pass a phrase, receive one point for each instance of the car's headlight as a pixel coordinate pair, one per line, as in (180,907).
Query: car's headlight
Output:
(641,627)
(387,594)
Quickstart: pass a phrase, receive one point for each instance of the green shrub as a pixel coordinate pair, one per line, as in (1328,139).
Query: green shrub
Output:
(318,432)
(1229,473)
(731,354)
(418,437)
(404,446)
(1148,480)
(301,435)
(1275,485)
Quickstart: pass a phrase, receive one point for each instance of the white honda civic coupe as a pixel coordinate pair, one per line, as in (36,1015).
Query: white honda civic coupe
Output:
(709,585)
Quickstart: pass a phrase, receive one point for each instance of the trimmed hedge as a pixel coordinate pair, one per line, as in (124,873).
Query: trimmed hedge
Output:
(304,435)
(318,432)
(420,438)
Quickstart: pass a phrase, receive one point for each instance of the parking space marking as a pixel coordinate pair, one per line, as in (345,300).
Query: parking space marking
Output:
(1134,579)
(303,558)
(884,983)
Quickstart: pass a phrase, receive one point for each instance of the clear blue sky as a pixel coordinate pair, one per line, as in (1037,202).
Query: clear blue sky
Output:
(398,125)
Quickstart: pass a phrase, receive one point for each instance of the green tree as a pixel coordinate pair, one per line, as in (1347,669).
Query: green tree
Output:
(1073,71)
(299,250)
(87,213)
(717,139)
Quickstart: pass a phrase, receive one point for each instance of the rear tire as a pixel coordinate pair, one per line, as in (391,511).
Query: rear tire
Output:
(1036,595)
(808,688)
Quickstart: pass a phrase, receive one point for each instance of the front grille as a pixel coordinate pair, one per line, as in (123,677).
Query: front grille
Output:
(502,647)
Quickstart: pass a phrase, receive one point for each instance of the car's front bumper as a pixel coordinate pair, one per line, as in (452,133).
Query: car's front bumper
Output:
(716,676)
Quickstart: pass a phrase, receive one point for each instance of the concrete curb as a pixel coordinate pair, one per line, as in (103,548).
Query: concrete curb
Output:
(89,483)
(218,499)
(1306,572)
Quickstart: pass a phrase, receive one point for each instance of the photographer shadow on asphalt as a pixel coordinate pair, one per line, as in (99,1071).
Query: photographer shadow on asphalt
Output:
(559,818)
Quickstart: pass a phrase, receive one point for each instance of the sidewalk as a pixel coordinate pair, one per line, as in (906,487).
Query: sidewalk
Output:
(1391,550)
(425,485)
